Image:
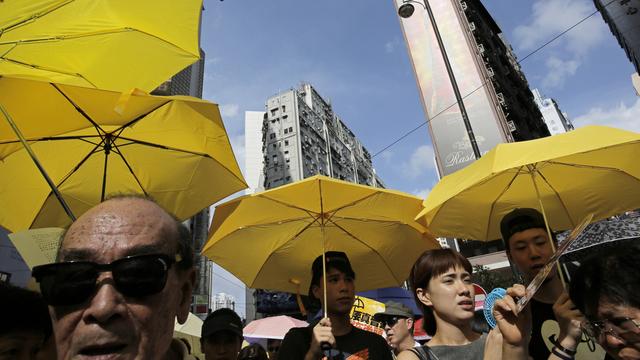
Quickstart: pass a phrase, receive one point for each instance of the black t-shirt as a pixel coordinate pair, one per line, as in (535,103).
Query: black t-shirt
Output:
(544,326)
(357,344)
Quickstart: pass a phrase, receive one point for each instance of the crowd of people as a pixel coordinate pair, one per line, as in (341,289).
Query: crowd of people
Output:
(124,273)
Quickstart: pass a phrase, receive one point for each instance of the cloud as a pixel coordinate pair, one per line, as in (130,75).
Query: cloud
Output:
(420,162)
(229,110)
(550,18)
(620,116)
(558,71)
(422,193)
(392,45)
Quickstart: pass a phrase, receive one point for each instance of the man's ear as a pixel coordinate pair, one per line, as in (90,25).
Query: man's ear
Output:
(316,290)
(424,296)
(409,323)
(187,284)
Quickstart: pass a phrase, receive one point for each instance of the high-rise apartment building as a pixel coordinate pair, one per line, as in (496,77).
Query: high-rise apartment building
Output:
(471,85)
(623,17)
(298,136)
(557,121)
(223,301)
(302,137)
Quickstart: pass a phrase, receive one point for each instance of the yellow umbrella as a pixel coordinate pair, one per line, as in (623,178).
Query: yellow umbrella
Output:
(114,44)
(270,239)
(175,149)
(593,169)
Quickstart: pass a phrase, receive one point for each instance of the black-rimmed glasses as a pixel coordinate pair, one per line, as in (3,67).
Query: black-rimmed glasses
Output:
(623,328)
(73,282)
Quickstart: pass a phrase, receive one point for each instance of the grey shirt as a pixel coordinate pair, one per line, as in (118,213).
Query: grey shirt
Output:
(471,351)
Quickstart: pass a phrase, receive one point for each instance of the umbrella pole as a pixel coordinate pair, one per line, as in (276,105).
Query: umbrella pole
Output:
(27,147)
(546,224)
(324,273)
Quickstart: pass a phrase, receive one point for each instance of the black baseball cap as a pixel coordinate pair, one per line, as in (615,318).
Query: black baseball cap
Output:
(333,259)
(520,220)
(222,320)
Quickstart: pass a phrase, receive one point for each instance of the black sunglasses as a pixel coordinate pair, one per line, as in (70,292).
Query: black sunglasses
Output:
(390,320)
(73,282)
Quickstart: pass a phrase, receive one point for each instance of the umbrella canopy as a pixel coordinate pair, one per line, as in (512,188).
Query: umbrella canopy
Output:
(274,327)
(602,233)
(107,44)
(174,149)
(593,169)
(190,331)
(270,239)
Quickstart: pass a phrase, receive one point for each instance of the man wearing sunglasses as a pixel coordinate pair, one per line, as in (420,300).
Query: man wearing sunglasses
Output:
(124,273)
(606,290)
(397,322)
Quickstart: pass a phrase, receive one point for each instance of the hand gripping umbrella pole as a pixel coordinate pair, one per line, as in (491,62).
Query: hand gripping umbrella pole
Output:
(33,156)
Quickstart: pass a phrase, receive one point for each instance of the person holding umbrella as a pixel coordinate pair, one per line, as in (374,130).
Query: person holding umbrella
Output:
(528,248)
(335,328)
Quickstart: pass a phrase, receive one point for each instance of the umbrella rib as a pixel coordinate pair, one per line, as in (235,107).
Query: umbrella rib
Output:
(370,247)
(493,204)
(353,203)
(309,212)
(566,211)
(34,17)
(46,68)
(141,142)
(604,168)
(75,168)
(138,118)
(90,34)
(100,131)
(315,220)
(54,138)
(117,151)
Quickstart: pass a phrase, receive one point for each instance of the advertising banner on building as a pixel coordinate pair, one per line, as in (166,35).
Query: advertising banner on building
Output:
(448,132)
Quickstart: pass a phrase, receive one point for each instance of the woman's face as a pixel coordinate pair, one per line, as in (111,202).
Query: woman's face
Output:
(451,296)
(619,330)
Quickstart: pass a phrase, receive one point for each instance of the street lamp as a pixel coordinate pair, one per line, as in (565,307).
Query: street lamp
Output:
(406,10)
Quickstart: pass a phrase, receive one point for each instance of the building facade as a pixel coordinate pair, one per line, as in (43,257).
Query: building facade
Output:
(557,121)
(223,301)
(623,18)
(471,85)
(302,137)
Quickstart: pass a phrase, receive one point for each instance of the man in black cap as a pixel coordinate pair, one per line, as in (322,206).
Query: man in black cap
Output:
(397,322)
(335,329)
(221,337)
(554,317)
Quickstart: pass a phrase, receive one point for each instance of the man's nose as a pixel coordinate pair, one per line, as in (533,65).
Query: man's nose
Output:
(106,303)
(534,252)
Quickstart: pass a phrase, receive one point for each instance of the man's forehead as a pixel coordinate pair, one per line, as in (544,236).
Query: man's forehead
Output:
(529,234)
(124,225)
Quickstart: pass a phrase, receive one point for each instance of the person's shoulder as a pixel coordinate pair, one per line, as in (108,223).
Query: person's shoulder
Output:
(408,354)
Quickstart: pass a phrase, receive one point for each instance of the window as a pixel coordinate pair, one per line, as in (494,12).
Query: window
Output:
(272,136)
(286,151)
(284,108)
(291,129)
(286,131)
(274,146)
(273,112)
(286,143)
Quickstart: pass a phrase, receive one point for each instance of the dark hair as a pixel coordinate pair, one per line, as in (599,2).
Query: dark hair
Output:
(430,264)
(253,352)
(23,310)
(184,239)
(609,274)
